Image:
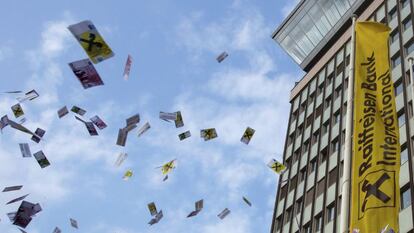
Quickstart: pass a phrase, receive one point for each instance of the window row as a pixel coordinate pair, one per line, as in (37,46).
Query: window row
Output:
(295,213)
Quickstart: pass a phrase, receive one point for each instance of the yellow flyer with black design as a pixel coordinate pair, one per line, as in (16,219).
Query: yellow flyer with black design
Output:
(91,41)
(376,145)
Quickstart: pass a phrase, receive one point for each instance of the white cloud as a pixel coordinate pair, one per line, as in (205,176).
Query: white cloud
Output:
(54,38)
(48,183)
(231,99)
(55,182)
(233,33)
(253,83)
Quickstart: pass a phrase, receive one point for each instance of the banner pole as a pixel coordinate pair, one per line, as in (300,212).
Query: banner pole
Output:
(346,178)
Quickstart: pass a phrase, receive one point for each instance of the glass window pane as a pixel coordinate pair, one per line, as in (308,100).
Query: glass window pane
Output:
(331,67)
(292,49)
(392,14)
(380,13)
(394,36)
(301,40)
(407,24)
(404,3)
(410,48)
(341,6)
(348,48)
(340,57)
(330,11)
(401,120)
(312,32)
(405,199)
(395,61)
(404,155)
(320,20)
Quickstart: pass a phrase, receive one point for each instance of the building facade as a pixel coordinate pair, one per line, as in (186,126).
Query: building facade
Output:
(317,36)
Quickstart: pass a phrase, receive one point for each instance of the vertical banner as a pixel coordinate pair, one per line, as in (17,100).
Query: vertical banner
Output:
(376,145)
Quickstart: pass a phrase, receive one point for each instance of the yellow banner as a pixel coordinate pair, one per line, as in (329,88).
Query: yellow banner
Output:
(376,145)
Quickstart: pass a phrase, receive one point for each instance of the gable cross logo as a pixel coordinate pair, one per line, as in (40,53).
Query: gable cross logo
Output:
(91,42)
(374,190)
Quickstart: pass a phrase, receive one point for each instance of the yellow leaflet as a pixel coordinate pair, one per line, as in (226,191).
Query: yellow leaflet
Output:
(276,166)
(166,168)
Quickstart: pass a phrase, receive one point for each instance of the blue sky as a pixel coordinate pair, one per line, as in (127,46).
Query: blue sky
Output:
(174,45)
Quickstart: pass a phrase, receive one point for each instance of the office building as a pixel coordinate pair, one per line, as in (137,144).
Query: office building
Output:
(316,35)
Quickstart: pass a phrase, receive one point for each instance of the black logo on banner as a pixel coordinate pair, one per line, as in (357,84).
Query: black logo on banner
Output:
(376,190)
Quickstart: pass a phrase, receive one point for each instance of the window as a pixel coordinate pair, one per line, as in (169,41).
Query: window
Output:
(405,197)
(318,223)
(293,183)
(329,78)
(307,229)
(278,223)
(318,111)
(340,67)
(291,139)
(298,207)
(330,212)
(395,61)
(315,137)
(312,166)
(310,99)
(325,128)
(404,154)
(288,162)
(404,3)
(336,117)
(300,130)
(394,36)
(302,107)
(328,102)
(392,14)
(324,155)
(409,48)
(320,89)
(296,156)
(306,146)
(288,215)
(294,116)
(309,197)
(381,13)
(302,174)
(401,119)
(332,176)
(335,146)
(337,92)
(398,88)
(321,187)
(407,23)
(283,192)
(309,121)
